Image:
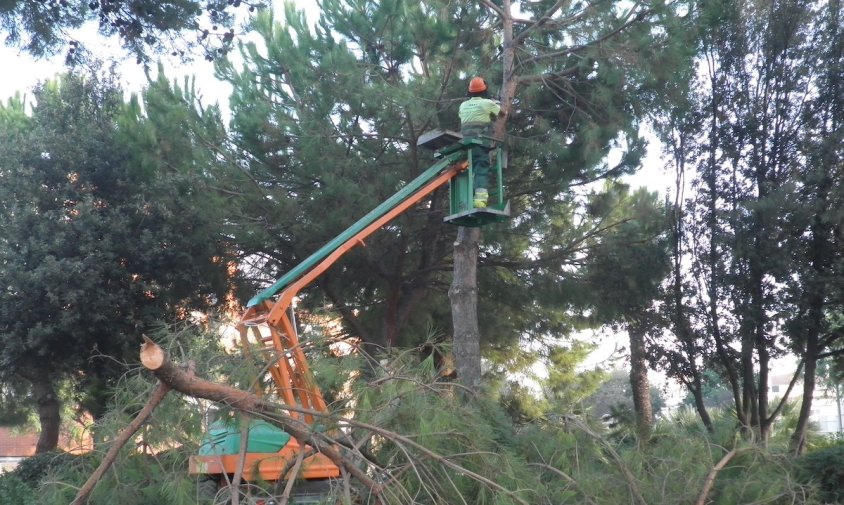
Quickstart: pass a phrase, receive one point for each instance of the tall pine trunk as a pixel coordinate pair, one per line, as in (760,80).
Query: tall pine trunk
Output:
(464,308)
(639,381)
(464,288)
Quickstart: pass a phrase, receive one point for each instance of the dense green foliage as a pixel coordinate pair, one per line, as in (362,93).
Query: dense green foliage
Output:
(758,249)
(14,490)
(98,243)
(325,122)
(466,450)
(824,467)
(31,471)
(119,215)
(144,28)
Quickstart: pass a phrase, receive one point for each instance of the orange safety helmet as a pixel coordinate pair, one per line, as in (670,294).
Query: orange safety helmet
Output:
(477,85)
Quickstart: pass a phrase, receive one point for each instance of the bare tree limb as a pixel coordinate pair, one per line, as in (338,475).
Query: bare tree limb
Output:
(128,432)
(710,479)
(156,360)
(491,6)
(539,22)
(238,473)
(785,395)
(288,488)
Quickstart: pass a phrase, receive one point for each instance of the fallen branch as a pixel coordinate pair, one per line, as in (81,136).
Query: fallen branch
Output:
(710,479)
(121,440)
(565,477)
(406,441)
(628,475)
(285,497)
(244,443)
(156,360)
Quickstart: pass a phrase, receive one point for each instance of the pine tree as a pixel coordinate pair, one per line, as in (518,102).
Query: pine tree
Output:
(760,226)
(625,267)
(326,120)
(178,27)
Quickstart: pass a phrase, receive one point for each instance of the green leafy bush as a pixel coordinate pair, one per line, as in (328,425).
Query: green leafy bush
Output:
(14,490)
(32,470)
(826,469)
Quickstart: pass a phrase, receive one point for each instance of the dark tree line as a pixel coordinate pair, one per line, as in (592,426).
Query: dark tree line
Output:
(144,200)
(757,246)
(98,243)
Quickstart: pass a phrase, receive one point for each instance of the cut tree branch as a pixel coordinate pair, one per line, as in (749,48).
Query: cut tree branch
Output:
(710,479)
(121,440)
(156,360)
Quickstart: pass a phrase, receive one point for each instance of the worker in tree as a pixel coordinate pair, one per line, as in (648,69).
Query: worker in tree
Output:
(476,117)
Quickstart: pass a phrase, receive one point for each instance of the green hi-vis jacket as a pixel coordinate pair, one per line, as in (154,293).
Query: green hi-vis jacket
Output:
(478,110)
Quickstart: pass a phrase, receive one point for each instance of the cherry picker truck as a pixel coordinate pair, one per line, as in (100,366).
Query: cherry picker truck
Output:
(268,329)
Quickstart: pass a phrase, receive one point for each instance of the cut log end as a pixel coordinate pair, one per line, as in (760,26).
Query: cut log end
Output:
(152,356)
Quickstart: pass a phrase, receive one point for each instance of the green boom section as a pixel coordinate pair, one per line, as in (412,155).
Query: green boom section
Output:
(402,195)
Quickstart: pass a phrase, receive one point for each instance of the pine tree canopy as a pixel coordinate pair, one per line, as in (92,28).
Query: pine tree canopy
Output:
(327,117)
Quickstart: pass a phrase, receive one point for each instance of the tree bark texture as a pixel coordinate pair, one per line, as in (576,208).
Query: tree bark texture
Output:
(464,288)
(639,381)
(464,308)
(508,78)
(798,438)
(49,414)
(697,393)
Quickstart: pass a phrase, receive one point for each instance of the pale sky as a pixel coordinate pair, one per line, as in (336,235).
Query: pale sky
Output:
(22,72)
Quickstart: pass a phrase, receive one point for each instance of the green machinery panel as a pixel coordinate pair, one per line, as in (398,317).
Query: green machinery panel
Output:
(461,192)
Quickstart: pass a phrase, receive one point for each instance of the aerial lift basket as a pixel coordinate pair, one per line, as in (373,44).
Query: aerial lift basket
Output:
(462,211)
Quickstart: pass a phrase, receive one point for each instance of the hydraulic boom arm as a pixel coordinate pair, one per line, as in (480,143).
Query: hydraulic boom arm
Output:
(268,331)
(288,366)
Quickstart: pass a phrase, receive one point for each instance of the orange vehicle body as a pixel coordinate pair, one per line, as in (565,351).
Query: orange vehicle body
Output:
(268,467)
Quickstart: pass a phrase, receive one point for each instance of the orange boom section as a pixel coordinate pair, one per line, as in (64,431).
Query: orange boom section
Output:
(269,336)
